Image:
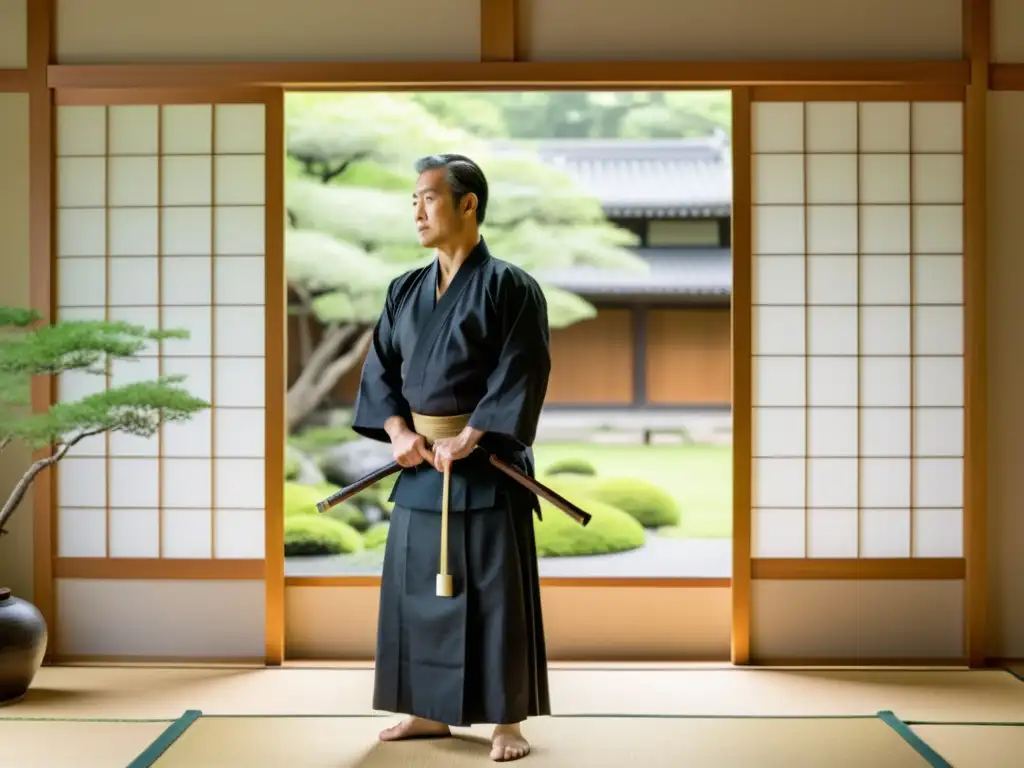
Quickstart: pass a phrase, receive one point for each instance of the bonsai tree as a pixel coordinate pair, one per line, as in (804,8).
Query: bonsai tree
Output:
(30,348)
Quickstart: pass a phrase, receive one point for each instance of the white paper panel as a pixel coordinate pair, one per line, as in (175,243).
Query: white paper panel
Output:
(777,381)
(239,231)
(779,432)
(885,280)
(134,482)
(831,126)
(885,483)
(81,232)
(832,229)
(240,180)
(832,432)
(884,126)
(187,129)
(239,483)
(779,482)
(778,126)
(81,131)
(187,180)
(133,181)
(192,438)
(831,532)
(831,179)
(187,231)
(187,533)
(187,280)
(937,126)
(187,483)
(778,179)
(778,533)
(832,280)
(134,533)
(239,432)
(885,533)
(82,282)
(884,179)
(832,381)
(134,129)
(81,182)
(133,232)
(938,533)
(832,330)
(240,129)
(239,280)
(239,331)
(136,234)
(858,287)
(778,229)
(779,280)
(832,482)
(240,533)
(82,532)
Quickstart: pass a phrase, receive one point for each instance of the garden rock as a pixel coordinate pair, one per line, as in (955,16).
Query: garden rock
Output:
(344,464)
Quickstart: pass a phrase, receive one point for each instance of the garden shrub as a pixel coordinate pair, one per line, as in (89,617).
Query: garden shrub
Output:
(571,466)
(302,499)
(291,468)
(316,440)
(651,506)
(376,536)
(610,529)
(313,534)
(350,514)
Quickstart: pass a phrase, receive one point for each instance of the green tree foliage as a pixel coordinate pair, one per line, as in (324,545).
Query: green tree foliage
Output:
(349,180)
(30,348)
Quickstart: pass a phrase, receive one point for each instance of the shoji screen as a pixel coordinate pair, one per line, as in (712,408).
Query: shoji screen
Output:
(160,222)
(858,394)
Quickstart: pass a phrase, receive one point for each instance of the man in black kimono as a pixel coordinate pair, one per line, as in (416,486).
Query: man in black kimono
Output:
(460,358)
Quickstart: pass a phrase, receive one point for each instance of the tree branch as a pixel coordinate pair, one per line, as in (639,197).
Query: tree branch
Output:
(329,378)
(19,491)
(304,322)
(7,440)
(301,395)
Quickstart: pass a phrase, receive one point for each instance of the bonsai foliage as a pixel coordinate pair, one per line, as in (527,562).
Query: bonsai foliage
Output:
(30,349)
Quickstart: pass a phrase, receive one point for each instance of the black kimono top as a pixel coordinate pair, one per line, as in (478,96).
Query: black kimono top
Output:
(482,349)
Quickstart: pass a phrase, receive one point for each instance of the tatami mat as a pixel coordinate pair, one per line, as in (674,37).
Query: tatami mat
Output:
(64,744)
(328,742)
(976,746)
(133,692)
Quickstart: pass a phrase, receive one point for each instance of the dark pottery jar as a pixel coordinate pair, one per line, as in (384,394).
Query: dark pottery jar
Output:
(22,646)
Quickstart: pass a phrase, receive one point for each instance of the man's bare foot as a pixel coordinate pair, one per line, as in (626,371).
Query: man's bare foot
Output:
(508,743)
(415,728)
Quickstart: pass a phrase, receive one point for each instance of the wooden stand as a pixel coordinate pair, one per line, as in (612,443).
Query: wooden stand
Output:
(444,579)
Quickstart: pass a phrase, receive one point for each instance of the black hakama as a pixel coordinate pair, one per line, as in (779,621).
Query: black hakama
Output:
(476,657)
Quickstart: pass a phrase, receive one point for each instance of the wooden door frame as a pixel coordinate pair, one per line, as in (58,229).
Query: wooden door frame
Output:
(48,83)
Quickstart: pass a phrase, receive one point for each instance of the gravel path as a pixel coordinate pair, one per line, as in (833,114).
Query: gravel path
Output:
(661,557)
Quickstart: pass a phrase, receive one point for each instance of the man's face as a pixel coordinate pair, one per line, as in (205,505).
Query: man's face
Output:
(437,218)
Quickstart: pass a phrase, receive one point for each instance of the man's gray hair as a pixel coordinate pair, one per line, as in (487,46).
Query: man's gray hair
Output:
(463,176)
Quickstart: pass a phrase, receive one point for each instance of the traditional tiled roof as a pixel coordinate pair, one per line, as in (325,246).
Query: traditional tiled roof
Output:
(676,272)
(644,178)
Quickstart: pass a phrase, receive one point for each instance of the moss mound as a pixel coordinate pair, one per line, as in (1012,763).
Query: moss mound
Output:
(376,536)
(571,466)
(308,535)
(647,503)
(302,499)
(610,529)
